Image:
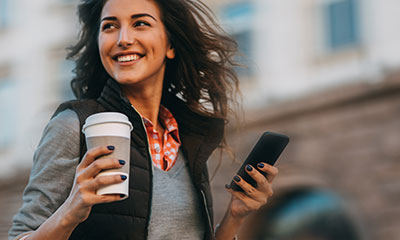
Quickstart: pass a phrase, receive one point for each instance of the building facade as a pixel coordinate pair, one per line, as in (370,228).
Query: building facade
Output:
(325,72)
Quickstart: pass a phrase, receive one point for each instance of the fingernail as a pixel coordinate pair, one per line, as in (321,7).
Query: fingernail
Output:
(123,177)
(236,178)
(249,167)
(260,165)
(122,195)
(110,147)
(122,162)
(227,186)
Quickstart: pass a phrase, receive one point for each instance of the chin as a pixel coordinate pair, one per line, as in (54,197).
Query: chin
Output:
(126,80)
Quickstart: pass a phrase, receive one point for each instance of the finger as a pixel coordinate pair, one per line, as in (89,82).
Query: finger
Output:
(240,195)
(109,198)
(106,198)
(250,203)
(101,164)
(102,181)
(94,153)
(271,171)
(247,188)
(261,180)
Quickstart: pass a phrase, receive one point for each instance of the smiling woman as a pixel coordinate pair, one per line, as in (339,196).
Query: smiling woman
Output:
(134,47)
(168,67)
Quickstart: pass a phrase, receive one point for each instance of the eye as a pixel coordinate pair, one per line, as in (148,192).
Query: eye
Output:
(141,23)
(107,26)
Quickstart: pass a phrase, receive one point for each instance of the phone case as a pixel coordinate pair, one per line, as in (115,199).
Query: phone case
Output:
(267,149)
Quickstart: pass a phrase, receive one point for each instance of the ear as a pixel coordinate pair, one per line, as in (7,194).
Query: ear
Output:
(170,52)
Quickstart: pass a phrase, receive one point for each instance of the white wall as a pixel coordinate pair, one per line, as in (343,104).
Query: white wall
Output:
(291,60)
(37,31)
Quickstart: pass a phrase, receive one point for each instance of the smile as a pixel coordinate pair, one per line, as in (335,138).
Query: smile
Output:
(128,58)
(125,58)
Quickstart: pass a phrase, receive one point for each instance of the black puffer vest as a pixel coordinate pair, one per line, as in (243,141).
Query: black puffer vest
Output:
(129,219)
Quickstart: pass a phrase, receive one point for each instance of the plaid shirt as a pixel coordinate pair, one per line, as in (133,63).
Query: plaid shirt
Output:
(164,151)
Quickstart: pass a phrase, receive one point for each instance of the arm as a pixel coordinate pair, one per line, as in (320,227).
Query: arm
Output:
(78,205)
(47,189)
(59,202)
(243,203)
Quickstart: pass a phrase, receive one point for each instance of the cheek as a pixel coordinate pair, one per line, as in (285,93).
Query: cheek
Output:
(104,48)
(105,43)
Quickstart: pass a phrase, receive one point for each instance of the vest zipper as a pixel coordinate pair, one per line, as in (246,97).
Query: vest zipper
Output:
(151,169)
(207,212)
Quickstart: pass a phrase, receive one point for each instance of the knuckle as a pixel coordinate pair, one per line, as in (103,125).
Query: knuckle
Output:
(274,171)
(79,179)
(97,165)
(89,154)
(270,192)
(101,181)
(86,199)
(251,190)
(80,190)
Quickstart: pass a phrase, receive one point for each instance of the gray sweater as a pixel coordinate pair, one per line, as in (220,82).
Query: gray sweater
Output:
(175,212)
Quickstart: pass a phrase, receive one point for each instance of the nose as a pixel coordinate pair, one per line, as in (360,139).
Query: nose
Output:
(126,38)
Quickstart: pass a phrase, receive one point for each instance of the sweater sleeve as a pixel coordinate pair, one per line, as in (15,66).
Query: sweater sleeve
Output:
(52,174)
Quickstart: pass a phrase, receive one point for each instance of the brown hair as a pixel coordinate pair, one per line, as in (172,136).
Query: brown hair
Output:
(202,72)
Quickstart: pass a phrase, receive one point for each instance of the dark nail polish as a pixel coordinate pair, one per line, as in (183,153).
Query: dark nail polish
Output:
(249,168)
(227,186)
(110,147)
(122,162)
(236,178)
(260,165)
(123,177)
(122,195)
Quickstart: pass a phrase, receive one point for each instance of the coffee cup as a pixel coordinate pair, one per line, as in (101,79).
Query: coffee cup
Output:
(111,129)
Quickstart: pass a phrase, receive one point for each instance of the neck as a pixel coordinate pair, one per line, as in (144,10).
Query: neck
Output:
(146,100)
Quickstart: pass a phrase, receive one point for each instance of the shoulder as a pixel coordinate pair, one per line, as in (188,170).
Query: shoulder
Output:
(82,107)
(64,121)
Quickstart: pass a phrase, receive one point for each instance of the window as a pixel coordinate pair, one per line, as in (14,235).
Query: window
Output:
(4,14)
(237,19)
(7,110)
(341,23)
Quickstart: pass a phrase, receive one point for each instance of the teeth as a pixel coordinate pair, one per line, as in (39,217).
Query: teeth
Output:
(128,58)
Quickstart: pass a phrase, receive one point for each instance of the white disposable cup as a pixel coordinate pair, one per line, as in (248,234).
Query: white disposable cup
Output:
(111,129)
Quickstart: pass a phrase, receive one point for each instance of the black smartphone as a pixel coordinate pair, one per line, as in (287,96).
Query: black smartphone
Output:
(267,149)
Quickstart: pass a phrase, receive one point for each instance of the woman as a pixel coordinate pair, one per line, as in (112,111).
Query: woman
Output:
(165,65)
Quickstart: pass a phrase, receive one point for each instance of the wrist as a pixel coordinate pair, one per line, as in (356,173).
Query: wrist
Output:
(234,219)
(65,219)
(229,226)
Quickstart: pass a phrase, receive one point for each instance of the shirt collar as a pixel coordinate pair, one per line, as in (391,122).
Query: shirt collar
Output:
(167,120)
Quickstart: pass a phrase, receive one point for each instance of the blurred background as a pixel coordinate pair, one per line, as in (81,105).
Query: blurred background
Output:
(324,72)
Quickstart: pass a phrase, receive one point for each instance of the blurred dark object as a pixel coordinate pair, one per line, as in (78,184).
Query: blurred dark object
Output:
(304,214)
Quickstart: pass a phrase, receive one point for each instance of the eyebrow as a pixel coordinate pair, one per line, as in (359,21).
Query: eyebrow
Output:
(139,15)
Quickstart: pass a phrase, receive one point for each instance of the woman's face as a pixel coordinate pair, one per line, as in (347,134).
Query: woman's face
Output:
(133,43)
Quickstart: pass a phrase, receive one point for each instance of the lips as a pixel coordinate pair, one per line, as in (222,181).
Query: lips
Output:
(127,57)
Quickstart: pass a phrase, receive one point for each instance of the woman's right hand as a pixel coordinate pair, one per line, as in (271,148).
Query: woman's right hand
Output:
(83,193)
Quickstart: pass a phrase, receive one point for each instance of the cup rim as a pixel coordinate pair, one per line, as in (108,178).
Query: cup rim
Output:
(107,117)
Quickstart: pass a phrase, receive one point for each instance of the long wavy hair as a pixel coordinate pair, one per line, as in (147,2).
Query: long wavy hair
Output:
(202,72)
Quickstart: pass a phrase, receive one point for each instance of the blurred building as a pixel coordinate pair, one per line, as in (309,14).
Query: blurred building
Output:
(34,74)
(325,72)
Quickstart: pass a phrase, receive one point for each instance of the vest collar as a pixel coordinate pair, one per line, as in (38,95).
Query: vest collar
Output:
(199,134)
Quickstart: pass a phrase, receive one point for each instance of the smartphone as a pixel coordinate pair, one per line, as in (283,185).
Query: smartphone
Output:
(267,149)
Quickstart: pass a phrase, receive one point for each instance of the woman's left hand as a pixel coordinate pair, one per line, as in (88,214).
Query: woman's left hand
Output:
(243,203)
